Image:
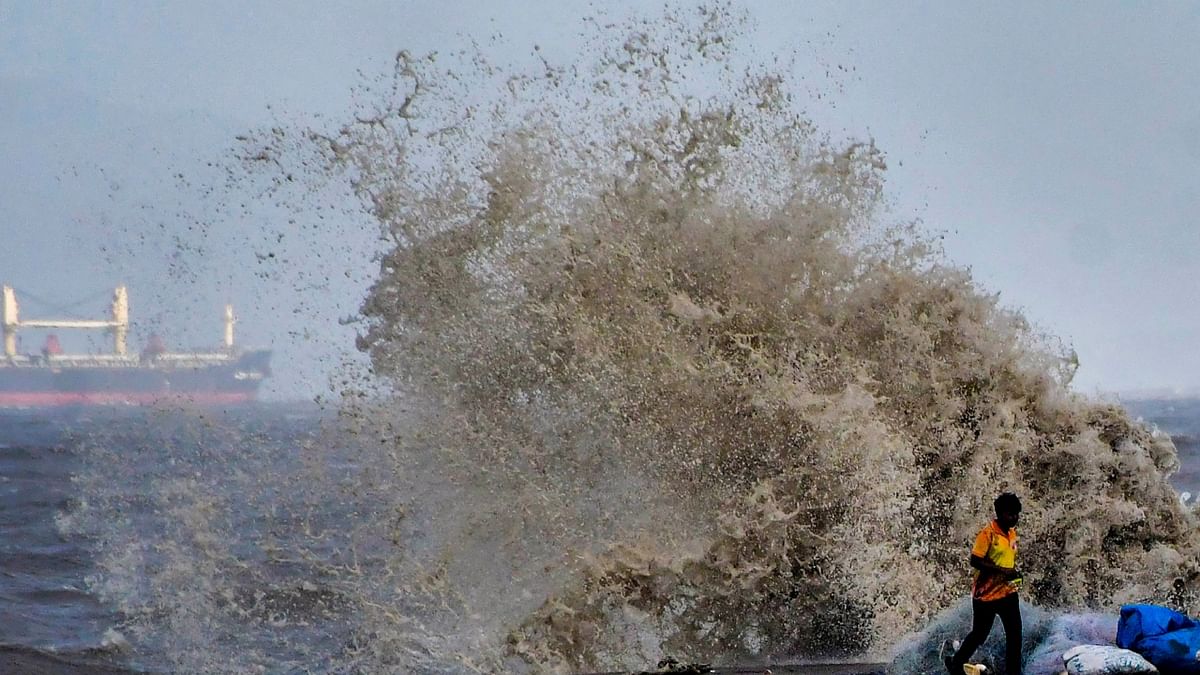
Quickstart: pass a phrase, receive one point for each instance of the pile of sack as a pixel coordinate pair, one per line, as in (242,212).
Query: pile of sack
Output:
(1147,639)
(1150,639)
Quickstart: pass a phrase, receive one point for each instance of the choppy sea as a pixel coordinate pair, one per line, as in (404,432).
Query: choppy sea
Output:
(55,612)
(53,619)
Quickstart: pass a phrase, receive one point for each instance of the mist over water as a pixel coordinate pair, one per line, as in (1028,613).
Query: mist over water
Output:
(665,378)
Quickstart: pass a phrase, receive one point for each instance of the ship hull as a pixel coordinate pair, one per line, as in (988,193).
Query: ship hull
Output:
(50,385)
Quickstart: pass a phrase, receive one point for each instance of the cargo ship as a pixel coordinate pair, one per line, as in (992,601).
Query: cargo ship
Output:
(50,377)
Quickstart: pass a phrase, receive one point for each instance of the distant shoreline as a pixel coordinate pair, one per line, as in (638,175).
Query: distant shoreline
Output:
(1157,394)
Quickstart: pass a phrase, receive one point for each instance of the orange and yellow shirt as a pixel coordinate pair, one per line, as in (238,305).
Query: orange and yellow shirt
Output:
(1001,549)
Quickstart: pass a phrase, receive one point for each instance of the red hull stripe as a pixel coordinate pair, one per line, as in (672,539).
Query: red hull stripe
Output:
(38,399)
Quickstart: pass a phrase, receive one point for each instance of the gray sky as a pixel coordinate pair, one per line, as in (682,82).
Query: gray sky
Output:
(1058,147)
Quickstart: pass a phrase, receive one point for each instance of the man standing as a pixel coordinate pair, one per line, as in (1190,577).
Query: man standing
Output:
(994,593)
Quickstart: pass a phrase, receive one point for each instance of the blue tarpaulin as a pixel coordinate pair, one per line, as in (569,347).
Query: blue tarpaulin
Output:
(1168,639)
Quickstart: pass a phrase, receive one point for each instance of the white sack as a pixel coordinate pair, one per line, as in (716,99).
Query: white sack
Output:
(1102,660)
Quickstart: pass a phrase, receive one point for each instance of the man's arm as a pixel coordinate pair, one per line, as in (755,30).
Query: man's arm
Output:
(984,565)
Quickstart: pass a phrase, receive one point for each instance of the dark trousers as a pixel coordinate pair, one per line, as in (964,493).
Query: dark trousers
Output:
(1008,609)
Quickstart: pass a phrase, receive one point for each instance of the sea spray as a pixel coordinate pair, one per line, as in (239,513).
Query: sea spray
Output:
(697,288)
(207,540)
(669,380)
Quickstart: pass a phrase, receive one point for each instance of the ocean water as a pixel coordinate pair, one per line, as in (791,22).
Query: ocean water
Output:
(83,595)
(59,608)
(1179,417)
(46,603)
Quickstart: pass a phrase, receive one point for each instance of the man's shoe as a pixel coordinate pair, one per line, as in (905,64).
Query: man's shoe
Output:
(946,653)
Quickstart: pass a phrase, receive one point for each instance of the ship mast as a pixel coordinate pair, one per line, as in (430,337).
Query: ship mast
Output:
(9,316)
(229,321)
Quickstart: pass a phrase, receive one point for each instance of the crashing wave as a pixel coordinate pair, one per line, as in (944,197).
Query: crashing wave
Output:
(670,382)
